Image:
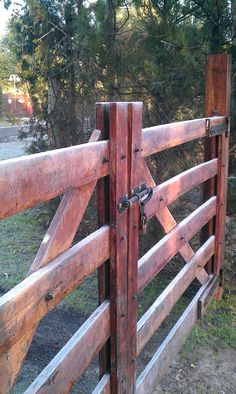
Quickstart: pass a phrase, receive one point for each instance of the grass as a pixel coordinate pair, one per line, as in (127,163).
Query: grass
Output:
(218,327)
(21,235)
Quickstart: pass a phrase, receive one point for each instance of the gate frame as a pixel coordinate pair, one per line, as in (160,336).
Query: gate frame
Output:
(117,163)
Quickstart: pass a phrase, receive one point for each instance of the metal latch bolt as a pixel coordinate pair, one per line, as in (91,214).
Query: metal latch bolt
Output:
(140,194)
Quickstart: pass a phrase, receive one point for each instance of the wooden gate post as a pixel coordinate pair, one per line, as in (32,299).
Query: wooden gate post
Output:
(218,103)
(122,122)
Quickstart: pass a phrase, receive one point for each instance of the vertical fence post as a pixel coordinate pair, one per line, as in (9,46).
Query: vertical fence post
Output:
(134,148)
(218,103)
(102,124)
(122,123)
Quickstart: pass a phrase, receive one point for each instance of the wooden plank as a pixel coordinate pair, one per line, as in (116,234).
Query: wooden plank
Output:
(221,76)
(25,305)
(11,362)
(170,346)
(68,365)
(157,138)
(134,152)
(30,180)
(159,310)
(57,239)
(165,193)
(102,123)
(167,223)
(64,225)
(217,102)
(222,184)
(118,186)
(157,257)
(104,386)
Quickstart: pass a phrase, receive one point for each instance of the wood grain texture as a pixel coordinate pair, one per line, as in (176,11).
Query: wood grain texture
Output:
(167,223)
(217,99)
(68,365)
(135,178)
(222,184)
(29,180)
(66,221)
(157,257)
(118,186)
(170,346)
(104,386)
(25,305)
(167,192)
(102,123)
(159,310)
(156,139)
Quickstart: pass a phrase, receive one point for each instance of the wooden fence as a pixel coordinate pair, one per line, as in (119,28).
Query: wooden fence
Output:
(114,159)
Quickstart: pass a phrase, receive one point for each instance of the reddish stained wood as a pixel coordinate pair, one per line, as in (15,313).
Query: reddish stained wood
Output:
(25,305)
(11,361)
(102,123)
(134,152)
(104,386)
(118,186)
(167,192)
(68,365)
(167,222)
(29,180)
(157,257)
(219,74)
(64,225)
(170,346)
(158,138)
(222,183)
(155,315)
(218,78)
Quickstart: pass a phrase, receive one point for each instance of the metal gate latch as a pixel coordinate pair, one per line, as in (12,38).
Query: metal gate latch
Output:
(141,194)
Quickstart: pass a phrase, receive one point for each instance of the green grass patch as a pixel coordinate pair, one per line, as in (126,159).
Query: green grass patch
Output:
(218,328)
(21,236)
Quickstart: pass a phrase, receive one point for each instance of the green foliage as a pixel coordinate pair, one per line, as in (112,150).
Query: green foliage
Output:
(74,53)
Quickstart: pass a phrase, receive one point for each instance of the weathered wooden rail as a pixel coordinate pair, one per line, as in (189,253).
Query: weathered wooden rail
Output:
(114,159)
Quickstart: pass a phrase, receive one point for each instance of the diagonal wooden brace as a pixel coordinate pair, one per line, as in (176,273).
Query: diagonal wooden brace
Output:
(168,222)
(58,238)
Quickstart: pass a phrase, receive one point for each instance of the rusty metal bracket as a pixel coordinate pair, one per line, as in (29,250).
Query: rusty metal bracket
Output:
(213,130)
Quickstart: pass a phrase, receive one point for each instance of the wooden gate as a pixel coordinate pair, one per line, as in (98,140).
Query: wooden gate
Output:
(114,159)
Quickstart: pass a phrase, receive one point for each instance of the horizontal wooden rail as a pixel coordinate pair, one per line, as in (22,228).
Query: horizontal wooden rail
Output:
(170,346)
(30,180)
(168,191)
(157,257)
(104,386)
(25,305)
(159,310)
(158,138)
(68,365)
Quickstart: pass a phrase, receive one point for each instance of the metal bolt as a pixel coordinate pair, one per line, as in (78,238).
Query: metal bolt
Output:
(122,238)
(105,160)
(122,156)
(182,238)
(136,150)
(134,297)
(48,297)
(161,199)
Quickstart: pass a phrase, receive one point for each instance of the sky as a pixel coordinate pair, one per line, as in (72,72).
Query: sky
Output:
(4,16)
